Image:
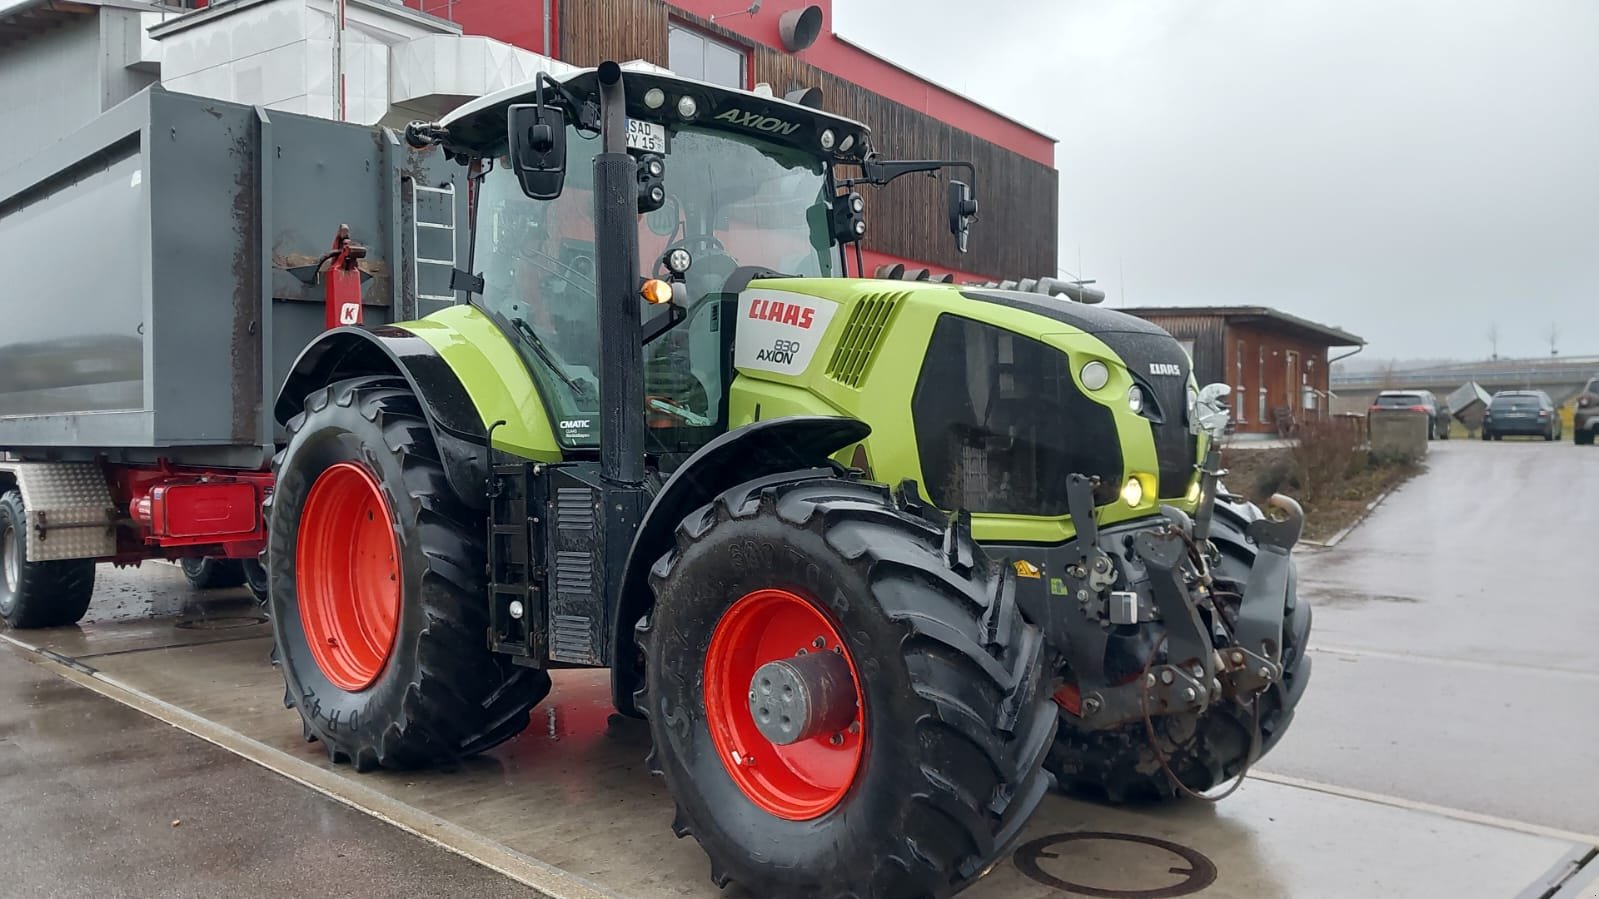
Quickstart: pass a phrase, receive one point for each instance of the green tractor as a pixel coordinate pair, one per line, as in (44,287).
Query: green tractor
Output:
(879,561)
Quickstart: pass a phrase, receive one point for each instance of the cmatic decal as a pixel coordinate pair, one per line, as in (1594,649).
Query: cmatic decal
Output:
(779,331)
(758,122)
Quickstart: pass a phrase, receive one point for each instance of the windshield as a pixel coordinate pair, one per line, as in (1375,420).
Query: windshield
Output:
(1400,400)
(1516,402)
(729,202)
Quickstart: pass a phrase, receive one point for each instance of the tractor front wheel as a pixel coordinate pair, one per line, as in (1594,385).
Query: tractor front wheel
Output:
(843,696)
(376,589)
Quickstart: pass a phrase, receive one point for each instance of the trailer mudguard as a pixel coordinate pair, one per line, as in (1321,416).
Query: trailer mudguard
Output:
(451,415)
(761,448)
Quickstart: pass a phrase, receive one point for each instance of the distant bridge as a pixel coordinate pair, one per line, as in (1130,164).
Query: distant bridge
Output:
(1561,378)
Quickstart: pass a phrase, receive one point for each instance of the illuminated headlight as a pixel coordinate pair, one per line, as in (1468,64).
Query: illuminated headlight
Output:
(687,108)
(846,143)
(1193,491)
(1094,375)
(1133,491)
(655,98)
(655,168)
(828,138)
(1135,399)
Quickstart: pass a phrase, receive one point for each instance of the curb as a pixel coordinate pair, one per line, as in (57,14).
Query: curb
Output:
(1338,538)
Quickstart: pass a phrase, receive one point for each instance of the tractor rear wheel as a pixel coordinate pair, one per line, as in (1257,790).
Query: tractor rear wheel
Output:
(37,594)
(1203,751)
(843,696)
(376,591)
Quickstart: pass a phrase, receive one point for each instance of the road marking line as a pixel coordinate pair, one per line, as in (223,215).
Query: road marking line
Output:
(545,879)
(1443,811)
(1445,660)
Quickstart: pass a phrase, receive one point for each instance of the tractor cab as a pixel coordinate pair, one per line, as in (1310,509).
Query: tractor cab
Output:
(731,185)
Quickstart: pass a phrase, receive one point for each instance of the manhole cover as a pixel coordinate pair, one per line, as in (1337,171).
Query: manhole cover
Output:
(221,622)
(1115,865)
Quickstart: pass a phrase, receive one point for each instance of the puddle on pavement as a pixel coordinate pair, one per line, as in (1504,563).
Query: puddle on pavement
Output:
(1348,599)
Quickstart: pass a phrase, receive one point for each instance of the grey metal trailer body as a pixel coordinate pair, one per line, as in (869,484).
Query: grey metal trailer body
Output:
(153,305)
(165,267)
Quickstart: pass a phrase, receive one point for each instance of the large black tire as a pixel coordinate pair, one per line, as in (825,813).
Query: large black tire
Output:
(37,594)
(1203,751)
(958,715)
(1582,438)
(255,579)
(441,695)
(212,574)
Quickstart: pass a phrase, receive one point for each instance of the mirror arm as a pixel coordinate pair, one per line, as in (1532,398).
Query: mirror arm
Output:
(878,172)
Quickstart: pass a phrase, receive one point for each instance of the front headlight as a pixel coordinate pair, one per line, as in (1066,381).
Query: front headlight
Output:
(1139,486)
(1135,399)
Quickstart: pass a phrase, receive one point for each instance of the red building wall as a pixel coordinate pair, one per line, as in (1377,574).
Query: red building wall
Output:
(1282,364)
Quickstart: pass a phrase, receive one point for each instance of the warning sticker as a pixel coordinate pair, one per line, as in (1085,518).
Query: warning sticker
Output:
(779,331)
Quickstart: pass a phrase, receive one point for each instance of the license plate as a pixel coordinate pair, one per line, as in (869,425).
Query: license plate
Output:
(646,137)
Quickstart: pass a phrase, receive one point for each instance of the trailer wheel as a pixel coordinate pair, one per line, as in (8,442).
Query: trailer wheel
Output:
(843,696)
(1203,751)
(38,594)
(212,574)
(255,579)
(377,589)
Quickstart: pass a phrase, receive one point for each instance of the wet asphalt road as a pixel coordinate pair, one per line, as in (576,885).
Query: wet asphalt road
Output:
(1455,663)
(1456,639)
(101,800)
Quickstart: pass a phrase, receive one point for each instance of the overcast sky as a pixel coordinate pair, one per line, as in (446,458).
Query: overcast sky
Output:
(1414,172)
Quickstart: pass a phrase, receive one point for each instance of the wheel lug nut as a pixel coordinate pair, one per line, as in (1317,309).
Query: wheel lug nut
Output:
(854,727)
(836,739)
(819,643)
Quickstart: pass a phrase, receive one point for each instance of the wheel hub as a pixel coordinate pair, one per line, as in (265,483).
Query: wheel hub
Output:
(784,704)
(10,554)
(347,576)
(803,697)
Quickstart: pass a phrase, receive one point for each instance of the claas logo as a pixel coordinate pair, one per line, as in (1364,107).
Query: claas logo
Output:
(787,313)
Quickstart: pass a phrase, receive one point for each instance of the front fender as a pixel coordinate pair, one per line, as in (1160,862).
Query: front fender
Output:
(762,448)
(356,352)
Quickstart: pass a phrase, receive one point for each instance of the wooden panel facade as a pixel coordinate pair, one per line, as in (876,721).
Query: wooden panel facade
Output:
(1273,372)
(1015,236)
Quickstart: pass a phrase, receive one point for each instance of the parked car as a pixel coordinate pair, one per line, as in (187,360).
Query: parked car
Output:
(1585,419)
(1526,412)
(1417,401)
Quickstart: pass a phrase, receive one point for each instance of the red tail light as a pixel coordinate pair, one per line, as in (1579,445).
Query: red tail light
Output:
(1418,408)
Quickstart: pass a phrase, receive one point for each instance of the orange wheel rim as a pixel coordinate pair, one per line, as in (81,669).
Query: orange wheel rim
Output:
(798,781)
(347,576)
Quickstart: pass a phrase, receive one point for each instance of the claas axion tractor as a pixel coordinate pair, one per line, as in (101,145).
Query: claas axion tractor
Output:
(879,561)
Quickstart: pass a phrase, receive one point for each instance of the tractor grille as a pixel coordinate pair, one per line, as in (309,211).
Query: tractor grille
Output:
(867,322)
(1174,443)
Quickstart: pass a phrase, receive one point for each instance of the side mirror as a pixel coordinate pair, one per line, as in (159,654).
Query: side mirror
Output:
(962,208)
(536,136)
(1210,412)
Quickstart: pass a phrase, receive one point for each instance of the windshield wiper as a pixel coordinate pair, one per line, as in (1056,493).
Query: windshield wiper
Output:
(525,330)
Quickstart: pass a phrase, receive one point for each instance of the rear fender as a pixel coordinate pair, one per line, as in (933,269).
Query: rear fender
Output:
(451,416)
(753,451)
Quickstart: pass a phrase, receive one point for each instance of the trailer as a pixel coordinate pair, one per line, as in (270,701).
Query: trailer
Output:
(180,252)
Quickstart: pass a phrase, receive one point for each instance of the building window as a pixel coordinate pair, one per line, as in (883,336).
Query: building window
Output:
(1238,390)
(695,55)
